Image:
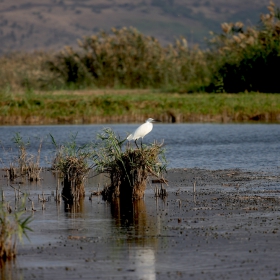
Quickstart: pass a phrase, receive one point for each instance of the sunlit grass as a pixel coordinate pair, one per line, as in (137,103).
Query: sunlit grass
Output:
(131,105)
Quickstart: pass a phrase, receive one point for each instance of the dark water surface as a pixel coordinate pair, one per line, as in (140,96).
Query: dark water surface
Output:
(228,229)
(220,232)
(210,146)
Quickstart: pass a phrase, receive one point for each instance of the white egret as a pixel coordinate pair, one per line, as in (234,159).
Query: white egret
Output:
(141,131)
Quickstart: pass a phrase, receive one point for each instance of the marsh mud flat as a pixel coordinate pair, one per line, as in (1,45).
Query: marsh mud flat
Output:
(227,229)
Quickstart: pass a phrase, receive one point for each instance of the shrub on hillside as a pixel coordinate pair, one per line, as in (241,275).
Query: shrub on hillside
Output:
(247,60)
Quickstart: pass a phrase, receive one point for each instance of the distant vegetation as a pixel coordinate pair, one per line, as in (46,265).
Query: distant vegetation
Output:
(51,24)
(128,59)
(239,59)
(247,60)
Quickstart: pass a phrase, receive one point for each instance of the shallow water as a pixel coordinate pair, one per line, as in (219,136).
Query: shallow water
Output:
(210,146)
(218,233)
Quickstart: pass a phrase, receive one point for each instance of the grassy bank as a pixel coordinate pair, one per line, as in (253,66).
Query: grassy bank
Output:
(97,106)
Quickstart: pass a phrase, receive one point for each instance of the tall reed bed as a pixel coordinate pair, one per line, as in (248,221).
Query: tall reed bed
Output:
(238,59)
(23,71)
(247,59)
(126,58)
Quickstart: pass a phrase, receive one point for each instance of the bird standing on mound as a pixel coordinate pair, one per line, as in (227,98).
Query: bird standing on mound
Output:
(141,131)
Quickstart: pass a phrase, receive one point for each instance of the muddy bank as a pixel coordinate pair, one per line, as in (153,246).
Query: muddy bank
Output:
(227,229)
(168,117)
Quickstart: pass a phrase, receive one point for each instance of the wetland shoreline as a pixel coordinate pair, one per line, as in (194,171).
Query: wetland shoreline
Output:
(128,106)
(227,229)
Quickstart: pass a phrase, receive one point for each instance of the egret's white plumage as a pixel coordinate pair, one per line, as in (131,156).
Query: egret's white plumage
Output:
(142,130)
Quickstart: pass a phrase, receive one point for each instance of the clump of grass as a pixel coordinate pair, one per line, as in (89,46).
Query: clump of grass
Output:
(26,164)
(127,168)
(72,161)
(12,228)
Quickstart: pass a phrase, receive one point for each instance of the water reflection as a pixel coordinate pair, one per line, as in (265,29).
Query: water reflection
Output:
(132,219)
(73,208)
(144,259)
(9,271)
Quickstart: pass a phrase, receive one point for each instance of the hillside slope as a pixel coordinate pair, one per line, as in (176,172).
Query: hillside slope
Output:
(52,24)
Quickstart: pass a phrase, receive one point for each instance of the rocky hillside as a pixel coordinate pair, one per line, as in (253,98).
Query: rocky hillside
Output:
(52,24)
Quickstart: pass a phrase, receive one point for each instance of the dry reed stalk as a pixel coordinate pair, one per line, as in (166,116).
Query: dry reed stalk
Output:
(162,193)
(71,161)
(74,172)
(12,173)
(25,71)
(25,161)
(194,186)
(129,178)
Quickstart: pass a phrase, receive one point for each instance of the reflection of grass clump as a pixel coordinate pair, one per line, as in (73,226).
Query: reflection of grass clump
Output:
(128,168)
(72,161)
(12,229)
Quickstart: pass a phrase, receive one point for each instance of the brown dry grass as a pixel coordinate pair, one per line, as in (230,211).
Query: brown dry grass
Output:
(128,168)
(24,71)
(71,161)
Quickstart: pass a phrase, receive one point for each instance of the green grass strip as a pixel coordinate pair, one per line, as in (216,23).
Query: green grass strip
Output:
(91,106)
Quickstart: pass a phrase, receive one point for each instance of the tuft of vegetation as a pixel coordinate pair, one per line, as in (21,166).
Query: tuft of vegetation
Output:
(26,164)
(72,161)
(127,168)
(13,226)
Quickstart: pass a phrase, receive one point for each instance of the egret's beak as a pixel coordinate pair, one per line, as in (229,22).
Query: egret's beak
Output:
(156,121)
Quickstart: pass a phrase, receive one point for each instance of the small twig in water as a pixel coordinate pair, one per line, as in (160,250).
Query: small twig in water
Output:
(33,209)
(179,202)
(19,192)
